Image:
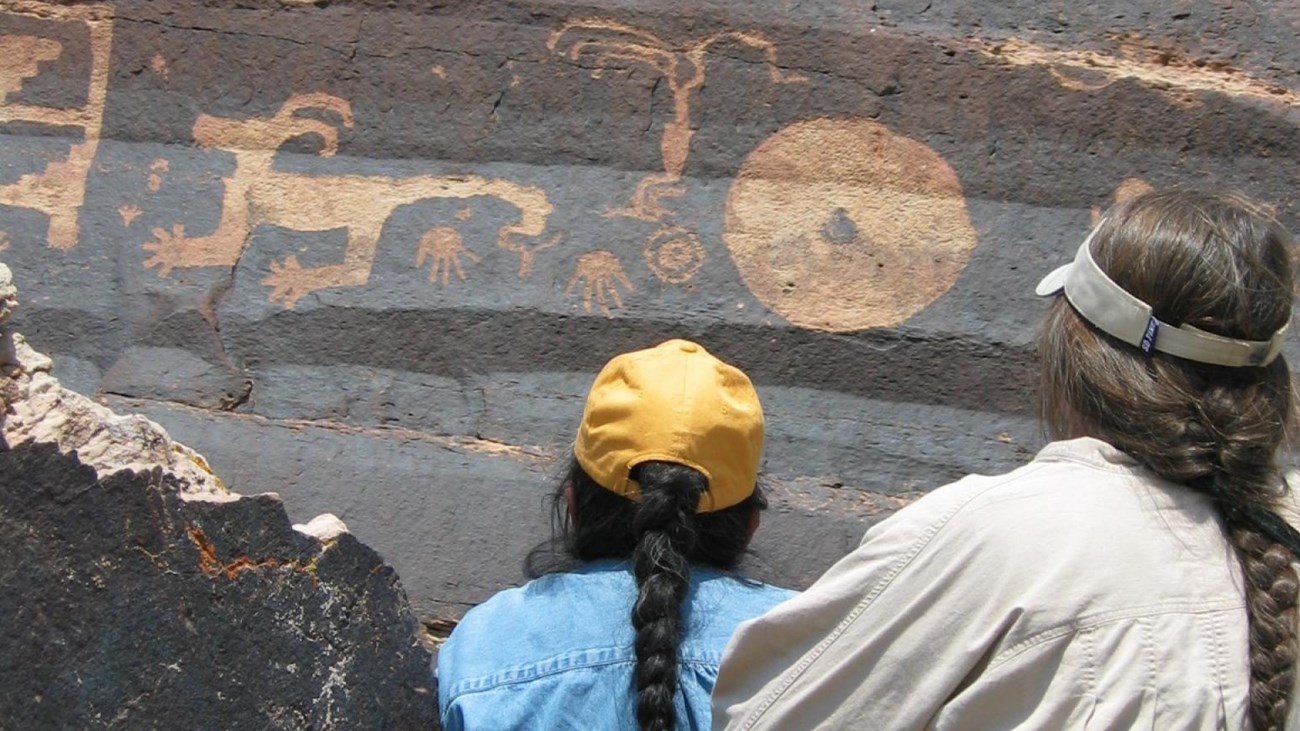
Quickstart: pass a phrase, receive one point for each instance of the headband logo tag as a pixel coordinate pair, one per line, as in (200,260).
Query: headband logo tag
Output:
(1148,343)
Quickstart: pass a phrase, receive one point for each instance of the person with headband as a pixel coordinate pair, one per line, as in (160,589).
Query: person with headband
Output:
(658,506)
(1137,573)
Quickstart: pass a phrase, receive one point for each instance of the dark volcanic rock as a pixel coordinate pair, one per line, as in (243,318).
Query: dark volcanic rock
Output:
(139,592)
(128,607)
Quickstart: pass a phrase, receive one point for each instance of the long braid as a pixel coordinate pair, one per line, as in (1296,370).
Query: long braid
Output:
(1271,587)
(1220,264)
(1242,482)
(663,536)
(664,528)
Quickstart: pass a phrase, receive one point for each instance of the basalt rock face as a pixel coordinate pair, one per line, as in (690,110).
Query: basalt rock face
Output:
(139,592)
(370,255)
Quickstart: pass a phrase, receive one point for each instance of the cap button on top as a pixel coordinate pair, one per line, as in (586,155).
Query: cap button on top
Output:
(689,347)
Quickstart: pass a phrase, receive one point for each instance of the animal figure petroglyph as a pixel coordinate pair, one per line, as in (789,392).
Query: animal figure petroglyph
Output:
(609,42)
(256,193)
(60,189)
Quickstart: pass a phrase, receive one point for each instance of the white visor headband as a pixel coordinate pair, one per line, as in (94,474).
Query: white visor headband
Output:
(1117,313)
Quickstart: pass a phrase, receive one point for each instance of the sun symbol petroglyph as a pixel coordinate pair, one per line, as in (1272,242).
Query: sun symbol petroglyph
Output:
(608,42)
(257,193)
(841,224)
(600,273)
(156,170)
(60,189)
(444,248)
(129,212)
(674,255)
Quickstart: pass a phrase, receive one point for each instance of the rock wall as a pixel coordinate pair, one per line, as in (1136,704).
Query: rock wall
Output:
(140,592)
(369,255)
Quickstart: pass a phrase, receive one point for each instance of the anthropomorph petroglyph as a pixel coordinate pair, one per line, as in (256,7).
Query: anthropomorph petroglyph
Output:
(841,224)
(60,189)
(600,273)
(608,42)
(256,194)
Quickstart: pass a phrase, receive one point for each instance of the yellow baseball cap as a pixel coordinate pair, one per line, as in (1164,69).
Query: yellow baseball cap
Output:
(673,403)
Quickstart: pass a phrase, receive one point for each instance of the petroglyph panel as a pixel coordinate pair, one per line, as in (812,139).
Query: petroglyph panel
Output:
(402,237)
(257,194)
(841,224)
(609,43)
(58,191)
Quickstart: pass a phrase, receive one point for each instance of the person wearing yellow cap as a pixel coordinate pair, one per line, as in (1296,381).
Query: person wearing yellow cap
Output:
(626,629)
(1137,573)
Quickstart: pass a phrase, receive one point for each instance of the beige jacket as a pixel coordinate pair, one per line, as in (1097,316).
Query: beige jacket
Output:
(1077,592)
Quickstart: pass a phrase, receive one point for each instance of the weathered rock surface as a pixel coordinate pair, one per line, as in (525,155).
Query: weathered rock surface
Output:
(370,255)
(139,592)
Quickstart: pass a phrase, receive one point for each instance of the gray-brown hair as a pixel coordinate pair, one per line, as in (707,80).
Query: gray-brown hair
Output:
(1222,264)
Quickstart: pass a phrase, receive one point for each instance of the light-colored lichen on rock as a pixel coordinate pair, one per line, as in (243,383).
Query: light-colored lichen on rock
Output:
(325,527)
(37,409)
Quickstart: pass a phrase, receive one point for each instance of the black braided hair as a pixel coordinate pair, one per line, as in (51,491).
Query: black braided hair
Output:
(1222,264)
(663,536)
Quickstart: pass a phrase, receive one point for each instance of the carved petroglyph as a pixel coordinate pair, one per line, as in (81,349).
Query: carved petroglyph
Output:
(129,212)
(444,248)
(156,170)
(1090,71)
(60,189)
(841,224)
(256,194)
(158,65)
(600,273)
(23,57)
(608,42)
(1130,188)
(674,255)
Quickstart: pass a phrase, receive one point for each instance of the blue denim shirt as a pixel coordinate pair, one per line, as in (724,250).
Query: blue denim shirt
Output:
(557,653)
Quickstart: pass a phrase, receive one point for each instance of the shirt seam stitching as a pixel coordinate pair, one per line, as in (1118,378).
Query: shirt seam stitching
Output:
(1096,621)
(494,682)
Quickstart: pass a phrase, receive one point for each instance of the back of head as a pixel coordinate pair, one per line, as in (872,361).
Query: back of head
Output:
(664,473)
(1204,263)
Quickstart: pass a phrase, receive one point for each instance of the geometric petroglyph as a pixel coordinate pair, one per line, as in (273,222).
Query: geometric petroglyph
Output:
(841,224)
(257,193)
(60,189)
(600,273)
(674,254)
(609,43)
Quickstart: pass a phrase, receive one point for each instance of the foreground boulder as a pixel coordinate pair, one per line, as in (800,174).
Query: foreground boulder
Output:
(139,592)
